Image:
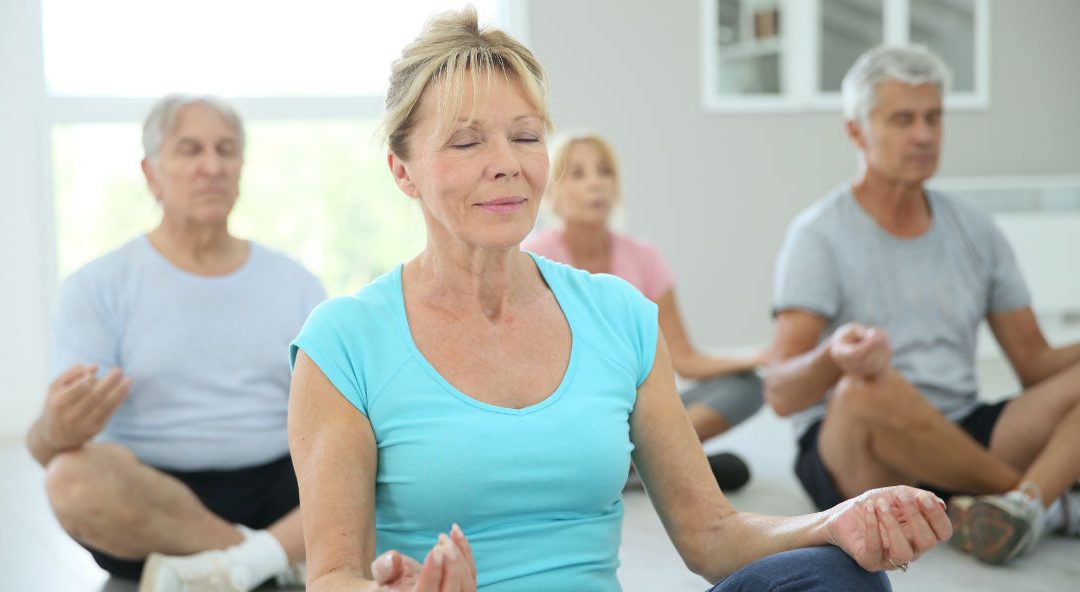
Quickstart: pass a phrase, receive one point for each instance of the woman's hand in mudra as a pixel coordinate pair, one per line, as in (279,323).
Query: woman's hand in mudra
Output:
(448,567)
(888,528)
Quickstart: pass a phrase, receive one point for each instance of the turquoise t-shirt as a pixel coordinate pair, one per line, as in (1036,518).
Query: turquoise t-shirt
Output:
(537,490)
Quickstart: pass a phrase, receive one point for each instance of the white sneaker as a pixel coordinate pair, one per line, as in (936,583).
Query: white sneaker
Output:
(209,571)
(293,577)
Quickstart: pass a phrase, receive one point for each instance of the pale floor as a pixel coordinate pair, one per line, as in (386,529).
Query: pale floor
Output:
(651,564)
(35,555)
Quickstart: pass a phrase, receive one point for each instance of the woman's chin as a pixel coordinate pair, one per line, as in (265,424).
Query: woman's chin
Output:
(505,241)
(599,220)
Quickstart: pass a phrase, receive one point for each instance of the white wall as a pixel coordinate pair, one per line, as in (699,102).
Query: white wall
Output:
(26,246)
(716,191)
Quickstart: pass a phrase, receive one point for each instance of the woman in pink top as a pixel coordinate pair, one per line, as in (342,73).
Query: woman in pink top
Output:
(583,190)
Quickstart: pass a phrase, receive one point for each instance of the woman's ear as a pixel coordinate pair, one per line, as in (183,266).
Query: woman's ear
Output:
(400,170)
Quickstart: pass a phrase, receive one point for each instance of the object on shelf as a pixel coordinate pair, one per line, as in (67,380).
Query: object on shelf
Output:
(767,23)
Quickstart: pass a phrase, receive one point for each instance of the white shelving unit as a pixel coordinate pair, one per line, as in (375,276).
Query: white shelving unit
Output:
(750,49)
(747,70)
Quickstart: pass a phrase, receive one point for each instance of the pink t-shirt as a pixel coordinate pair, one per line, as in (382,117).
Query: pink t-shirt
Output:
(635,261)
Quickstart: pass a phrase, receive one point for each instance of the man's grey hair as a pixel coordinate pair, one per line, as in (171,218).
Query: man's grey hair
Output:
(914,65)
(163,118)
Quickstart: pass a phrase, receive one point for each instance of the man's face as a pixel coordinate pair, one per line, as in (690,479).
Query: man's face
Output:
(902,141)
(196,177)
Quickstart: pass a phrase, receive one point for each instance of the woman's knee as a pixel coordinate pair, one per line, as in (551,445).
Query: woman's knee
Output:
(812,569)
(736,397)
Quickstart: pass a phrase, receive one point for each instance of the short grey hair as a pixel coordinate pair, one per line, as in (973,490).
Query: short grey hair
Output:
(164,115)
(914,65)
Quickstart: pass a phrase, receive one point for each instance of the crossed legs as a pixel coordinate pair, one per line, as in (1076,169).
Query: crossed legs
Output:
(882,432)
(106,499)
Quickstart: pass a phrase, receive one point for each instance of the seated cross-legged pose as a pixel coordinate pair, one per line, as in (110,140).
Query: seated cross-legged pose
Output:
(880,288)
(583,191)
(495,395)
(164,440)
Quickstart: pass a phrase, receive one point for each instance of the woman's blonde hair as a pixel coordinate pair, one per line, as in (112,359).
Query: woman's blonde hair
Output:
(452,47)
(565,142)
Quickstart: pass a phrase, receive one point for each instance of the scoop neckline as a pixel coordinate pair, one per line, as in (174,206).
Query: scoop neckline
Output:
(550,399)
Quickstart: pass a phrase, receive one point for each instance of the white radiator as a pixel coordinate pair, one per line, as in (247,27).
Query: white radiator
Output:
(1040,217)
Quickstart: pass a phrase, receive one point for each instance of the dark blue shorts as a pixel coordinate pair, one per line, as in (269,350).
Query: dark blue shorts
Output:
(819,484)
(253,496)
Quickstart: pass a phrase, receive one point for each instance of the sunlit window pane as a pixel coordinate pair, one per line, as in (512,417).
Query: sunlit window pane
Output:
(948,28)
(147,48)
(319,191)
(323,193)
(101,198)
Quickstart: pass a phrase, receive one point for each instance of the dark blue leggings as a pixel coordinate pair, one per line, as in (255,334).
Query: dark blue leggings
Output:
(813,569)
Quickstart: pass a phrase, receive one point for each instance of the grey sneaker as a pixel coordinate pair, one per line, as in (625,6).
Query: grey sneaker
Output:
(1070,507)
(1002,527)
(959,512)
(209,571)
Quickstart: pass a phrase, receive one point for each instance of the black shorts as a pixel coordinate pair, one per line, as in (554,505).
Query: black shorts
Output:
(819,484)
(253,496)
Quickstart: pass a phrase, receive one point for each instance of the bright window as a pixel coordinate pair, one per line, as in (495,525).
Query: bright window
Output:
(319,191)
(309,82)
(147,48)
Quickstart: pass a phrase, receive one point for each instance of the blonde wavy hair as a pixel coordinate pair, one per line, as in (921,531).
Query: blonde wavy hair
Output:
(452,47)
(565,142)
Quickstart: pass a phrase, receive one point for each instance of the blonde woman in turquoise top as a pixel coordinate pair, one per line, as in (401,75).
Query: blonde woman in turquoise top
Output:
(466,421)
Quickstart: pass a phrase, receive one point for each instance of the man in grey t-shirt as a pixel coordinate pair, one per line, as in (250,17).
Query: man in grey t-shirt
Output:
(880,288)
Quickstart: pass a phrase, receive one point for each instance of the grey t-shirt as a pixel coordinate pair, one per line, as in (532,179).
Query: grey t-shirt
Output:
(929,293)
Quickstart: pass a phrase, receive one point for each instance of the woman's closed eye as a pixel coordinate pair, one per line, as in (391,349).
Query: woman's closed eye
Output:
(464,139)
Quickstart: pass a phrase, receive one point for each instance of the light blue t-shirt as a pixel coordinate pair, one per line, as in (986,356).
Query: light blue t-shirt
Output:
(929,293)
(537,490)
(208,355)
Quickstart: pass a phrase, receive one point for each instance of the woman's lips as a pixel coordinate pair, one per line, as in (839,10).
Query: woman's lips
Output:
(503,205)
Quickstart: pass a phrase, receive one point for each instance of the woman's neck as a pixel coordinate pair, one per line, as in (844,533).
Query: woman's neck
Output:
(589,245)
(461,279)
